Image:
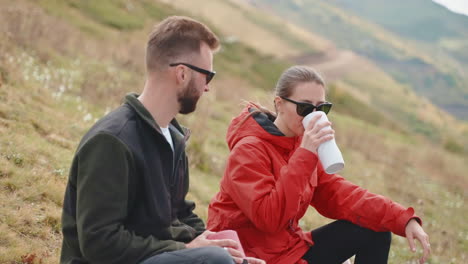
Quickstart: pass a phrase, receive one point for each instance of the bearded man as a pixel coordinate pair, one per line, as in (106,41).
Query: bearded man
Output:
(125,198)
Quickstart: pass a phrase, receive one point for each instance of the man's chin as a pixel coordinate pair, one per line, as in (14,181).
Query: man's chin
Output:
(188,104)
(187,109)
(186,112)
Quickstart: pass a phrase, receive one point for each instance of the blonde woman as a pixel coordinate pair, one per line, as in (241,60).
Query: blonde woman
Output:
(273,176)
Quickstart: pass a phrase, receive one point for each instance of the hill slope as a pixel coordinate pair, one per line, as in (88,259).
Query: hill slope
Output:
(63,64)
(436,71)
(358,75)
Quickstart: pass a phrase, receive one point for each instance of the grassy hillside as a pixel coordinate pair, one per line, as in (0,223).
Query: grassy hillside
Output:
(432,27)
(266,33)
(446,31)
(358,76)
(63,64)
(427,69)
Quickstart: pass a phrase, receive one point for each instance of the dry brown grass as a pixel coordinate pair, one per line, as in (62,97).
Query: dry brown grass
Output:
(35,147)
(40,125)
(232,20)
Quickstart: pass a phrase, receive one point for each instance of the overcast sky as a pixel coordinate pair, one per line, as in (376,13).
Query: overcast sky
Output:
(458,6)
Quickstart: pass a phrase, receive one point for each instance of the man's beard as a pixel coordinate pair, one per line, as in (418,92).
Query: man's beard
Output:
(188,98)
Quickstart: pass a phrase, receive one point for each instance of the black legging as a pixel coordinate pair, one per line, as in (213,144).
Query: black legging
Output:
(340,240)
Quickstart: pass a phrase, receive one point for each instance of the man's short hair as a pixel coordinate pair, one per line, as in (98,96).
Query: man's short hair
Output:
(174,38)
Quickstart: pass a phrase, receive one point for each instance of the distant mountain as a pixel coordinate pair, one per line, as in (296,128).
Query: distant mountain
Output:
(418,42)
(424,21)
(420,20)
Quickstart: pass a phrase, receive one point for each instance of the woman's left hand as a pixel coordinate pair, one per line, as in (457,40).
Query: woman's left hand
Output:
(255,261)
(413,231)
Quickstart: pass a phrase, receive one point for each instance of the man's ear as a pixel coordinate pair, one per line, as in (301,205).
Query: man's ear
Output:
(181,74)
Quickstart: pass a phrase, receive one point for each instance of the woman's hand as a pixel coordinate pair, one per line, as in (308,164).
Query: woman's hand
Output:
(255,260)
(314,135)
(231,246)
(203,241)
(415,231)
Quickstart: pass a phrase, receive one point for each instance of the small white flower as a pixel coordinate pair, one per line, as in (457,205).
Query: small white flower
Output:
(87,117)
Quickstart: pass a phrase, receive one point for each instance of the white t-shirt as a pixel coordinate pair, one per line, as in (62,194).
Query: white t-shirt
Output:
(167,134)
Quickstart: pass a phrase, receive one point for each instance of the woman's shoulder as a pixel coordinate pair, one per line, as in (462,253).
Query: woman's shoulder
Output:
(254,147)
(253,141)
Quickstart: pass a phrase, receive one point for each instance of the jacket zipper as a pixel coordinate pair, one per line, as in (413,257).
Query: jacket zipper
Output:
(179,157)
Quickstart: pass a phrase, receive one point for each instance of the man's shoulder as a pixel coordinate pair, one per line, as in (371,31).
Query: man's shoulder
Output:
(117,123)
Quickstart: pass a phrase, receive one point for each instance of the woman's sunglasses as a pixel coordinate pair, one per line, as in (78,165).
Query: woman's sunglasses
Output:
(304,109)
(209,74)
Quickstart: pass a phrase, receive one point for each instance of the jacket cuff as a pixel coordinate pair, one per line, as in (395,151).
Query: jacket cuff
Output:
(307,158)
(180,246)
(403,220)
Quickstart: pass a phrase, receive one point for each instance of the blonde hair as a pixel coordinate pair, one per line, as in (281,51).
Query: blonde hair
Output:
(288,80)
(294,75)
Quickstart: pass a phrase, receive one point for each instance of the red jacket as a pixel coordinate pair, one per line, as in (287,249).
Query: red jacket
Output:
(269,184)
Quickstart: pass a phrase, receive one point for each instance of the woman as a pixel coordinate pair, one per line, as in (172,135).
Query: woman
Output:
(273,175)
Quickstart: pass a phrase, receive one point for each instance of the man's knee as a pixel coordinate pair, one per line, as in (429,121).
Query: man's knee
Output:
(217,255)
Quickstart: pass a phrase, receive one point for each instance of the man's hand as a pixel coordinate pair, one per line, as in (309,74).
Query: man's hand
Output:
(231,246)
(415,231)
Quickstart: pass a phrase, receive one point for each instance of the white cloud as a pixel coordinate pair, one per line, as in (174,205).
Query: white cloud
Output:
(457,6)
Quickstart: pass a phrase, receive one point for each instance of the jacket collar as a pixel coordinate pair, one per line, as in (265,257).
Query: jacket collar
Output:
(260,125)
(132,100)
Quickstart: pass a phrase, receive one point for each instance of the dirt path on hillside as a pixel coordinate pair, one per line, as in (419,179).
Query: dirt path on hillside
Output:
(333,64)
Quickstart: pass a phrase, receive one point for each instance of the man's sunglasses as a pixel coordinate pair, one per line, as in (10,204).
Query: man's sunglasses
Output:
(209,74)
(304,109)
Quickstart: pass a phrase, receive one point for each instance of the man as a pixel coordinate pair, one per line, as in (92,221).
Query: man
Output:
(125,199)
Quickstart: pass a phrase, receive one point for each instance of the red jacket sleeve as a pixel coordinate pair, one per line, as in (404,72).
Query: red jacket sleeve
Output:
(268,202)
(337,198)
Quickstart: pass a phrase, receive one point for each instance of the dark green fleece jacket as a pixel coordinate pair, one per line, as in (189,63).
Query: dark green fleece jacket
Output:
(125,198)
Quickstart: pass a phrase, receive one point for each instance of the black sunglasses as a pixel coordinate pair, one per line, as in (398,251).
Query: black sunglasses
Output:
(304,109)
(209,74)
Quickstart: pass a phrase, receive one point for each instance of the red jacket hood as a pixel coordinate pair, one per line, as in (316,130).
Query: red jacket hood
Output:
(259,125)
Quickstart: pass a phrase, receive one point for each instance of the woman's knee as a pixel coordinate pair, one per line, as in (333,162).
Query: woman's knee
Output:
(372,236)
(384,237)
(378,238)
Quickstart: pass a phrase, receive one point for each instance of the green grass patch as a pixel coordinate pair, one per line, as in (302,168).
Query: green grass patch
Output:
(345,103)
(119,14)
(246,63)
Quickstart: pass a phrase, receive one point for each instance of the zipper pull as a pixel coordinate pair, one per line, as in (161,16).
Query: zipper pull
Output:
(291,226)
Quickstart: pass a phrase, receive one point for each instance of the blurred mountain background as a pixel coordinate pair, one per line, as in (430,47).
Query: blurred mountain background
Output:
(418,43)
(396,72)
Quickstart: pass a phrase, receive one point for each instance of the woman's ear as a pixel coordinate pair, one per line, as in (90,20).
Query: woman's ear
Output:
(278,102)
